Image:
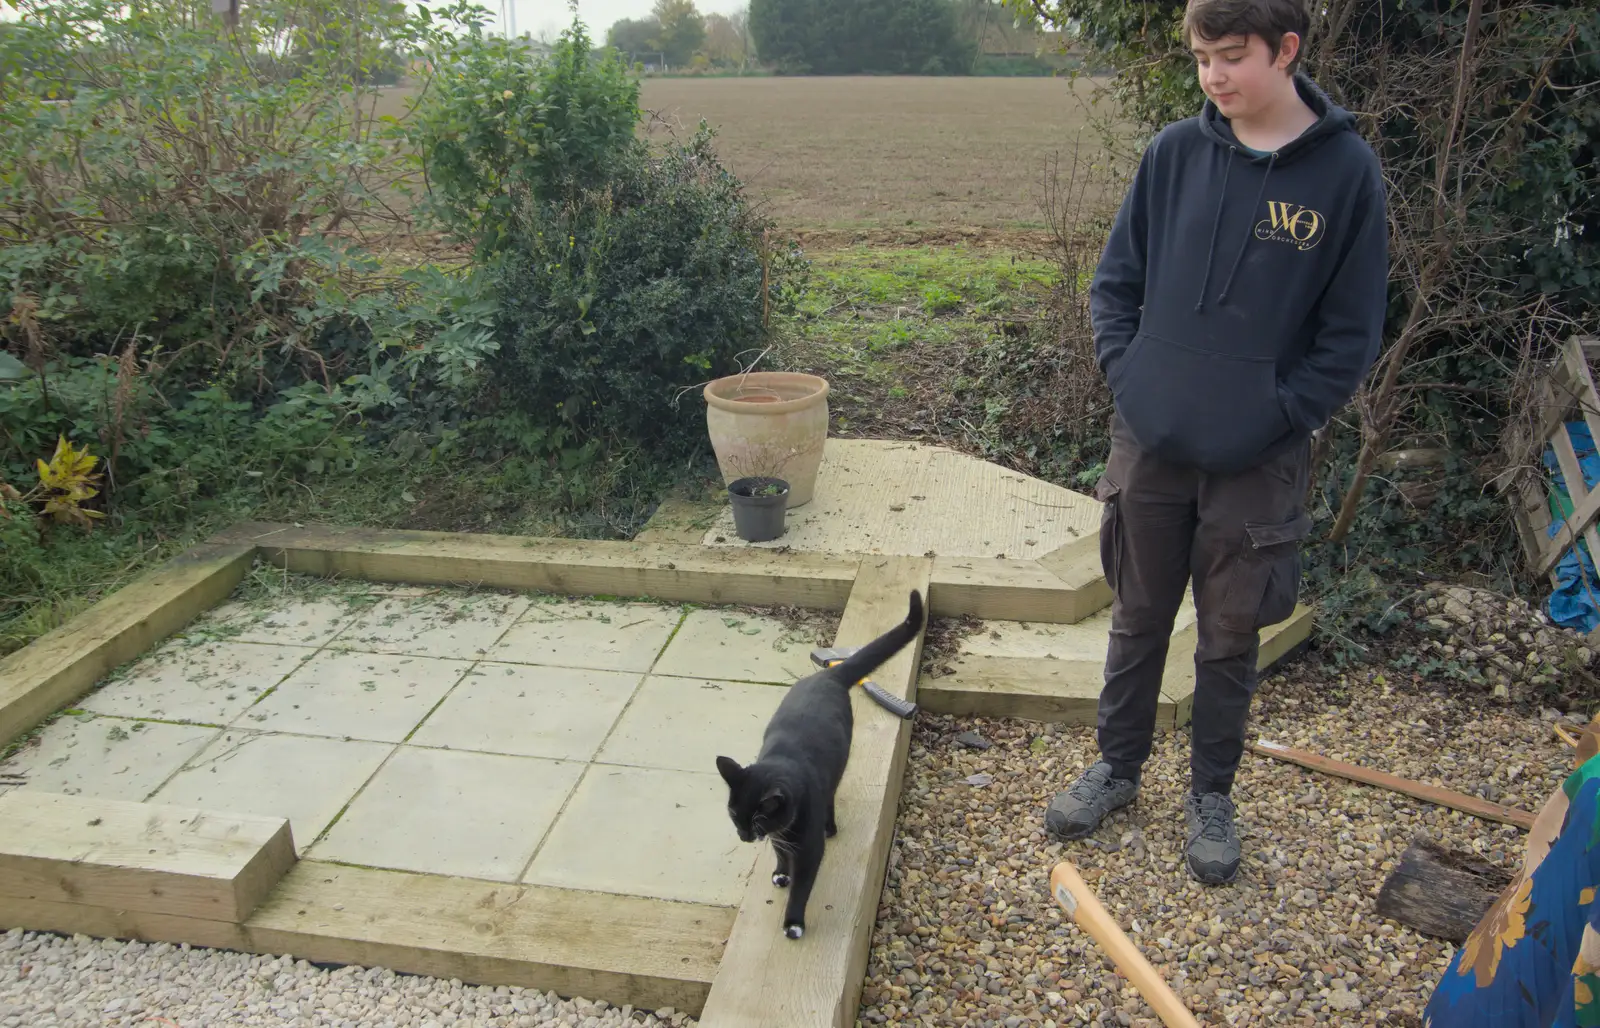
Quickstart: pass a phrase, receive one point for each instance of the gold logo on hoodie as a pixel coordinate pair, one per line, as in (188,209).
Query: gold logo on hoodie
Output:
(1300,227)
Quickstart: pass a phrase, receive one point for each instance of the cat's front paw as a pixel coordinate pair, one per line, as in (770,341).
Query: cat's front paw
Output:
(794,929)
(780,880)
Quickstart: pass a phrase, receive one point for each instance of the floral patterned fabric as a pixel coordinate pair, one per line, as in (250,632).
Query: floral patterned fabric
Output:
(1534,959)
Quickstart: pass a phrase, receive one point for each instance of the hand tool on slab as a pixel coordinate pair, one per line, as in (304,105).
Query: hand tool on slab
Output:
(1086,910)
(829,656)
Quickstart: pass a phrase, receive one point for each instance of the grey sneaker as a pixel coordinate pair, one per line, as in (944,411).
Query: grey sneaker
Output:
(1213,850)
(1076,812)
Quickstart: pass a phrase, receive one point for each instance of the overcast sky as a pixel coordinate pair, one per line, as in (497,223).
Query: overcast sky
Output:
(536,15)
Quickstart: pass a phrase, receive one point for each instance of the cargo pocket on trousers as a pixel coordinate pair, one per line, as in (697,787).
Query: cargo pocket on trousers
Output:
(1264,583)
(1107,492)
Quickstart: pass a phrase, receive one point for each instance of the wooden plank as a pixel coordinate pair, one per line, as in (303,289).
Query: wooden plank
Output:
(1279,640)
(1078,566)
(62,665)
(1000,589)
(139,856)
(1588,403)
(1405,786)
(1068,691)
(1581,519)
(664,571)
(622,949)
(1531,515)
(1031,688)
(771,981)
(1440,892)
(1585,502)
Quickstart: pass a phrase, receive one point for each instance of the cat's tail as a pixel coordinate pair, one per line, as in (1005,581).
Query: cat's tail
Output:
(867,659)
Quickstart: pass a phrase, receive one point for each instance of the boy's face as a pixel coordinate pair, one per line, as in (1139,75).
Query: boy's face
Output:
(1241,75)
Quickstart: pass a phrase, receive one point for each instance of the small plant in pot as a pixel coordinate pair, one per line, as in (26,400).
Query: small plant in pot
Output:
(760,503)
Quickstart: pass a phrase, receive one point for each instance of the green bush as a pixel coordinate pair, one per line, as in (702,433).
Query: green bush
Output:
(622,273)
(168,184)
(499,130)
(616,304)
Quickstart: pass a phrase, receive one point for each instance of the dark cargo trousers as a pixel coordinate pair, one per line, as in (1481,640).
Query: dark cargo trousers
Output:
(1238,538)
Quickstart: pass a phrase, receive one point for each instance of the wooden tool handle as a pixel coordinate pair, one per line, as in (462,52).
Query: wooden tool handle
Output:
(1085,908)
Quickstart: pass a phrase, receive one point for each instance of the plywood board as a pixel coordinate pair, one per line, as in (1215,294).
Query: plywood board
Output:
(661,571)
(58,667)
(768,980)
(914,499)
(139,856)
(650,953)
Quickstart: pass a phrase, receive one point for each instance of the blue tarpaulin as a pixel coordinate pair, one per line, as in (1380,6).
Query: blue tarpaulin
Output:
(1575,603)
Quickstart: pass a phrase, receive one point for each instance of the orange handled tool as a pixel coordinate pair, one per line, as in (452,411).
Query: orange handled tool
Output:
(1085,908)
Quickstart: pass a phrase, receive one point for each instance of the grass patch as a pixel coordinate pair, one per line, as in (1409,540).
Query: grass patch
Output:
(901,333)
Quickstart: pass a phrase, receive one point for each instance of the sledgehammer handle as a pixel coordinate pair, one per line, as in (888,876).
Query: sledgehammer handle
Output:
(888,700)
(1080,902)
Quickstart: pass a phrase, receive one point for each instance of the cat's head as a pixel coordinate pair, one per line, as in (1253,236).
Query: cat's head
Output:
(759,803)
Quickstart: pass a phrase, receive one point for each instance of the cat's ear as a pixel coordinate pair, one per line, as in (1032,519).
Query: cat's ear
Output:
(732,773)
(773,801)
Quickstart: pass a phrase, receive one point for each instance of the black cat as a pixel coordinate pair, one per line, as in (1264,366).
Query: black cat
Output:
(787,794)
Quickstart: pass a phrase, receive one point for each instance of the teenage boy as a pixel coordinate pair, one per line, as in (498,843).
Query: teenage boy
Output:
(1238,305)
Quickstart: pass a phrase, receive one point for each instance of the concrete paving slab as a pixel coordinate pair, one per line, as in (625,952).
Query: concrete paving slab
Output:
(683,724)
(589,634)
(476,815)
(376,696)
(207,683)
(558,713)
(310,622)
(105,757)
(729,645)
(647,832)
(443,624)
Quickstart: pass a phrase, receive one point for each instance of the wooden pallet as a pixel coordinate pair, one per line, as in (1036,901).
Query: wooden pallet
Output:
(1565,392)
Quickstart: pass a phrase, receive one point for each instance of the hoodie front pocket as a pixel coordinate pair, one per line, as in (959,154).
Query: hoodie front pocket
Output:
(1119,367)
(1264,581)
(1198,407)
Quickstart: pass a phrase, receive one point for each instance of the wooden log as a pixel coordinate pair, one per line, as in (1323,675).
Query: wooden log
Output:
(139,856)
(1440,892)
(1366,776)
(575,567)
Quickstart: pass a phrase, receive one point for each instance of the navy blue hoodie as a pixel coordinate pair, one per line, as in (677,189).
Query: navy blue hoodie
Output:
(1240,299)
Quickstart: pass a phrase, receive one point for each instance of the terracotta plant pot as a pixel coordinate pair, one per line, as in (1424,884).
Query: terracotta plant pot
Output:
(769,424)
(758,508)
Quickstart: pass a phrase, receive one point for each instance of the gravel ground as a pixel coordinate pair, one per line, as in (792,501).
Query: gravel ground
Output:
(967,934)
(47,981)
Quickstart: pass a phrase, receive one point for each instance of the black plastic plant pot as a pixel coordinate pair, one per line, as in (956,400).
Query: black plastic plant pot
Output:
(759,505)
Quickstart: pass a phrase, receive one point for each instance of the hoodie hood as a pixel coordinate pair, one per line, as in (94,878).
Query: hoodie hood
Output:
(1331,120)
(1240,299)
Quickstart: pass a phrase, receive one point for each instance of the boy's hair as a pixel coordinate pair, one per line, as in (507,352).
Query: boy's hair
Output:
(1269,19)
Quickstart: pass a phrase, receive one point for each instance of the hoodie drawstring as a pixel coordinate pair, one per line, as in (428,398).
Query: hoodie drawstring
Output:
(1217,226)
